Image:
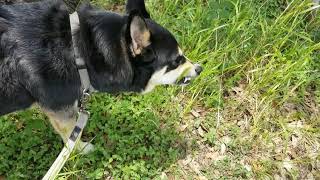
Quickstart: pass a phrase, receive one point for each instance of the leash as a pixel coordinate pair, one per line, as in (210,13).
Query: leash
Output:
(83,114)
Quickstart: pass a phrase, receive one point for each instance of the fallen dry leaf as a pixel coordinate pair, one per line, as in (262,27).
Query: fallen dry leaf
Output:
(212,155)
(195,166)
(294,141)
(226,139)
(287,164)
(296,124)
(187,160)
(201,132)
(195,113)
(202,177)
(223,149)
(183,127)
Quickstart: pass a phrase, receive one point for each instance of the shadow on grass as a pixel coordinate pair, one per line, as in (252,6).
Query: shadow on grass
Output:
(28,145)
(131,141)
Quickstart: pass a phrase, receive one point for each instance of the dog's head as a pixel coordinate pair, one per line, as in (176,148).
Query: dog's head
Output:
(131,52)
(155,50)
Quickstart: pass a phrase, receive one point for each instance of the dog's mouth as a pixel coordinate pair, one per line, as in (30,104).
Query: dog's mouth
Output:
(188,75)
(184,81)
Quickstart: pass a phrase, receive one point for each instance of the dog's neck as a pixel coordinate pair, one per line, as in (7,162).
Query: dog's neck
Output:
(102,43)
(102,38)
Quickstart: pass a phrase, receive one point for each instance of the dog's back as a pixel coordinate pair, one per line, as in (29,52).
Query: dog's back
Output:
(3,28)
(12,94)
(35,43)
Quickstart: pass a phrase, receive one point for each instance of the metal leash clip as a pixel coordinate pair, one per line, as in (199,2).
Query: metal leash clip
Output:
(83,100)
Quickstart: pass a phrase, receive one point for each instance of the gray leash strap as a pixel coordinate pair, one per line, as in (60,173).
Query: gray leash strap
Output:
(72,5)
(83,115)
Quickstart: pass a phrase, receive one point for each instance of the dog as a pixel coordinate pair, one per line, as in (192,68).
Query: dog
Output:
(2,2)
(122,53)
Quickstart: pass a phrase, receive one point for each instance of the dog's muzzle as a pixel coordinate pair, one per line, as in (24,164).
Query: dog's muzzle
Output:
(194,72)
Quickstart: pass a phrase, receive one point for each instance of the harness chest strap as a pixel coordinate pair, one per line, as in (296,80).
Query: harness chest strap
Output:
(83,115)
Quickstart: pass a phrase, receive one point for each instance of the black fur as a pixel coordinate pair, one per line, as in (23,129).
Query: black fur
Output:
(137,5)
(36,54)
(14,1)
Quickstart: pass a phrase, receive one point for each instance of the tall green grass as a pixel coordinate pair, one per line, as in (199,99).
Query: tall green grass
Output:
(260,89)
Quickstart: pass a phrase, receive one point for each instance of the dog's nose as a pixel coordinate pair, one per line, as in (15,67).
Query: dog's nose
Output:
(198,69)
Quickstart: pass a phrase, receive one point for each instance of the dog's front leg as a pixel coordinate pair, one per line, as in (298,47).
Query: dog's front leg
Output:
(63,122)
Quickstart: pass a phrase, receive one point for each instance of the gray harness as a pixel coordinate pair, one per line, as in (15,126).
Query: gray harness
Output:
(83,115)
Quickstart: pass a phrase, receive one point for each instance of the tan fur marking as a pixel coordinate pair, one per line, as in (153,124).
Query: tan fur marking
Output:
(62,121)
(146,38)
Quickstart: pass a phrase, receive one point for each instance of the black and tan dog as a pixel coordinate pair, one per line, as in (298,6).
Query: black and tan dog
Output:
(122,53)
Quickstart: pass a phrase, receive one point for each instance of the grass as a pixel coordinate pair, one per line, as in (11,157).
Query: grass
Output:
(253,113)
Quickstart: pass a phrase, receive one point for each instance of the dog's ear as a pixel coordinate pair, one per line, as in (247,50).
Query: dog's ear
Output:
(138,32)
(137,5)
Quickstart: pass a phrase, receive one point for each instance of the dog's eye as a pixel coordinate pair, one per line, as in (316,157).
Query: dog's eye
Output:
(180,60)
(147,51)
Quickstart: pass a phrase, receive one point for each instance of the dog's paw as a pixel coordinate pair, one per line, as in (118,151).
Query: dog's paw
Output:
(85,147)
